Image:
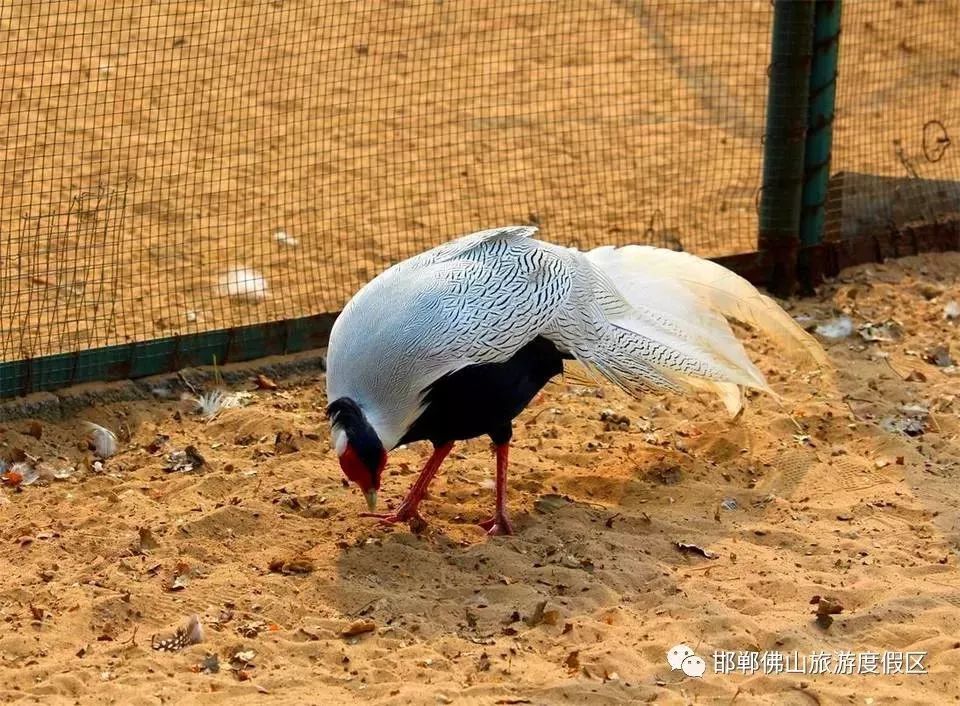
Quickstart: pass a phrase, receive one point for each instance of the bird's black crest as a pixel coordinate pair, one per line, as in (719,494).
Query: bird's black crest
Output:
(347,415)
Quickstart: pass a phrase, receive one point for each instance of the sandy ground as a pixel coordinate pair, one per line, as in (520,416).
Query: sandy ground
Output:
(369,131)
(579,607)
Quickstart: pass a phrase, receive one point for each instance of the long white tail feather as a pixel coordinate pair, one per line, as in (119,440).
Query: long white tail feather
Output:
(706,329)
(704,346)
(686,318)
(640,267)
(681,304)
(577,373)
(729,393)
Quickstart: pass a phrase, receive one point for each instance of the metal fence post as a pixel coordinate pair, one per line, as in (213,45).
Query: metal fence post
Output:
(823,85)
(784,140)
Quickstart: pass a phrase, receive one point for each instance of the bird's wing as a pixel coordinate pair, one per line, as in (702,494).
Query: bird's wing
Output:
(459,247)
(487,295)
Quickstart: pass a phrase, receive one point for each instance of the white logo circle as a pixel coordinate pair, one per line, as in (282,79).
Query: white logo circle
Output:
(693,666)
(677,654)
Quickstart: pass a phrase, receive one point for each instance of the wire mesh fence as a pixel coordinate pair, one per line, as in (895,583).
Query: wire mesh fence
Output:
(898,110)
(180,167)
(272,157)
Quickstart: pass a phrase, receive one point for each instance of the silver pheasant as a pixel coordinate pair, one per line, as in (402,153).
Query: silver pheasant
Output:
(453,343)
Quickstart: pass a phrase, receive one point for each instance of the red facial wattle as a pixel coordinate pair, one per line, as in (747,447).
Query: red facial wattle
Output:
(358,472)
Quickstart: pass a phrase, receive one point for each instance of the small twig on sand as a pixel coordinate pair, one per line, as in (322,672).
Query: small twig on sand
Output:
(188,384)
(800,429)
(890,365)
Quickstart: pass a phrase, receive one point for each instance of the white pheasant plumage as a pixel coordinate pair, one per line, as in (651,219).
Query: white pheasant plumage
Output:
(641,317)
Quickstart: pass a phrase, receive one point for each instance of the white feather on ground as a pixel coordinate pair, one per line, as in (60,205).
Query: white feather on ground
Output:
(104,441)
(284,238)
(243,283)
(211,403)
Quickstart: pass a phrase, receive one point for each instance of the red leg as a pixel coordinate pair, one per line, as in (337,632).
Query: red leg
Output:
(408,508)
(500,523)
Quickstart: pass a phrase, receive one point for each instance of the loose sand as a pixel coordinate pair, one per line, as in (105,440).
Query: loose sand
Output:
(848,509)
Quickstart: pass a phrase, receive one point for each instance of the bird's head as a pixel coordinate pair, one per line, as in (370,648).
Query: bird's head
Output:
(362,456)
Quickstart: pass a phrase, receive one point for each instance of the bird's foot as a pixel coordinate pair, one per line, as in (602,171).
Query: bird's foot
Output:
(402,514)
(497,525)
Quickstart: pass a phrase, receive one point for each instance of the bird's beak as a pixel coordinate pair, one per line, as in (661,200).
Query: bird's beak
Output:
(371,496)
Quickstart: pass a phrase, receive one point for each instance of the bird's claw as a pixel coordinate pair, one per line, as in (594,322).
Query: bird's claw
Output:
(385,517)
(392,518)
(497,525)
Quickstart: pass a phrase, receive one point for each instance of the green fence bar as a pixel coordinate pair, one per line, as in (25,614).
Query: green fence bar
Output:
(784,139)
(823,84)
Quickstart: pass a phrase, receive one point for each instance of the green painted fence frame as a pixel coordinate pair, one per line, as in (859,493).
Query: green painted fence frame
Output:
(163,355)
(798,141)
(820,114)
(784,138)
